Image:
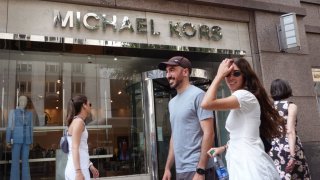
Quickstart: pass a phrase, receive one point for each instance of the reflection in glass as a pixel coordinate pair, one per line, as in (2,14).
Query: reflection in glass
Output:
(117,139)
(49,80)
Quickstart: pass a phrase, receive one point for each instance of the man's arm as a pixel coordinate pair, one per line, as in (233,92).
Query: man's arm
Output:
(169,163)
(207,141)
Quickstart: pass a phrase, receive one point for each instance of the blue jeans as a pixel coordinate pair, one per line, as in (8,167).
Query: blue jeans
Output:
(20,151)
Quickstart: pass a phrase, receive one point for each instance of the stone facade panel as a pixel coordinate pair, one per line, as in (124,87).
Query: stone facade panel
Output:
(313,14)
(308,118)
(312,151)
(293,68)
(3,15)
(169,7)
(285,2)
(314,46)
(218,13)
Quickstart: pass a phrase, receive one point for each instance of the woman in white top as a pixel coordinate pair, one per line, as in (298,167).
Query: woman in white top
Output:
(251,116)
(78,164)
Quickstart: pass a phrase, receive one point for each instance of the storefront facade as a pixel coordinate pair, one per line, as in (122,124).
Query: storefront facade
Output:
(109,51)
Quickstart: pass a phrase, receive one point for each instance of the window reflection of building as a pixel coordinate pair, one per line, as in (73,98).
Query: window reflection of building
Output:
(316,79)
(52,68)
(78,87)
(23,80)
(317,91)
(53,94)
(24,86)
(77,68)
(24,67)
(49,80)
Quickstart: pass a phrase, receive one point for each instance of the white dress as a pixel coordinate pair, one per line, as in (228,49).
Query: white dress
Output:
(70,172)
(246,158)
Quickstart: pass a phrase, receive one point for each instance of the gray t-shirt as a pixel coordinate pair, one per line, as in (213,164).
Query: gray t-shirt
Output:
(185,117)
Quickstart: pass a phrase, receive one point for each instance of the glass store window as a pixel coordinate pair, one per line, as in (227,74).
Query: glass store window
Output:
(48,80)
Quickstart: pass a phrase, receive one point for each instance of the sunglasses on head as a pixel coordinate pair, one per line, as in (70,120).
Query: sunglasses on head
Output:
(236,73)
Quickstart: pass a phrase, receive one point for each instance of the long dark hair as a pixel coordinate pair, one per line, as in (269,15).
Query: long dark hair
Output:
(270,119)
(74,107)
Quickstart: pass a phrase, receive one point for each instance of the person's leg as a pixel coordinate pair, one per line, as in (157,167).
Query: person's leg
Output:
(185,176)
(25,162)
(211,174)
(15,164)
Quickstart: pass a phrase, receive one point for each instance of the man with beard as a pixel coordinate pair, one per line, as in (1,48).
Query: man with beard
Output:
(192,127)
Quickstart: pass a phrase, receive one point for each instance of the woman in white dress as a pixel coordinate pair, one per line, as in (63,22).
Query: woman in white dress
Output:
(78,164)
(252,115)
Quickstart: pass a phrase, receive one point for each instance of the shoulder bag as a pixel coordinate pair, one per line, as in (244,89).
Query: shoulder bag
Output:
(64,142)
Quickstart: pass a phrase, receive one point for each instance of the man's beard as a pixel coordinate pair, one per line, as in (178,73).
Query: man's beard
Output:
(176,83)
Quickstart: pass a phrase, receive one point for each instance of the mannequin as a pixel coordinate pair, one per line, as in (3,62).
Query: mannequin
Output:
(19,136)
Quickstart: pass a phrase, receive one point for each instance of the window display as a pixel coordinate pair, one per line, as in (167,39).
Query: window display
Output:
(47,81)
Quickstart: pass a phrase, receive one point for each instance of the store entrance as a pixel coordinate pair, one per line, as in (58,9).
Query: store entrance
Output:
(157,97)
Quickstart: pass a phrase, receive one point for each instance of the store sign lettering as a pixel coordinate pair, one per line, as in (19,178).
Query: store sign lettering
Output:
(94,21)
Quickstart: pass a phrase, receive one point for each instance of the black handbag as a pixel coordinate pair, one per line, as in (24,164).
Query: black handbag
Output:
(64,142)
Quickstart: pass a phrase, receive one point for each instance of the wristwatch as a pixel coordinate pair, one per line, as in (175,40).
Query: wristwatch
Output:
(201,171)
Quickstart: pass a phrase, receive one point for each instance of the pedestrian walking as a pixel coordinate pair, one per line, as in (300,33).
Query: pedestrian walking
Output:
(78,164)
(287,151)
(192,126)
(251,115)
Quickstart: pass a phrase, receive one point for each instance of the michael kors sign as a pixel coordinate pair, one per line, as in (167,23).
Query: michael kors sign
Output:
(94,21)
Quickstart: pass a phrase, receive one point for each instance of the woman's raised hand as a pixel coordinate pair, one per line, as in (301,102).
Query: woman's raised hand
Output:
(225,68)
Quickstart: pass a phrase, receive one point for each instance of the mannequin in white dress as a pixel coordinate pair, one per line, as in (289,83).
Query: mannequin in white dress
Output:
(251,116)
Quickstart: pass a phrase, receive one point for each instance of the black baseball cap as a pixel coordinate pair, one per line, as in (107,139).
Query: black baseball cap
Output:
(176,61)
